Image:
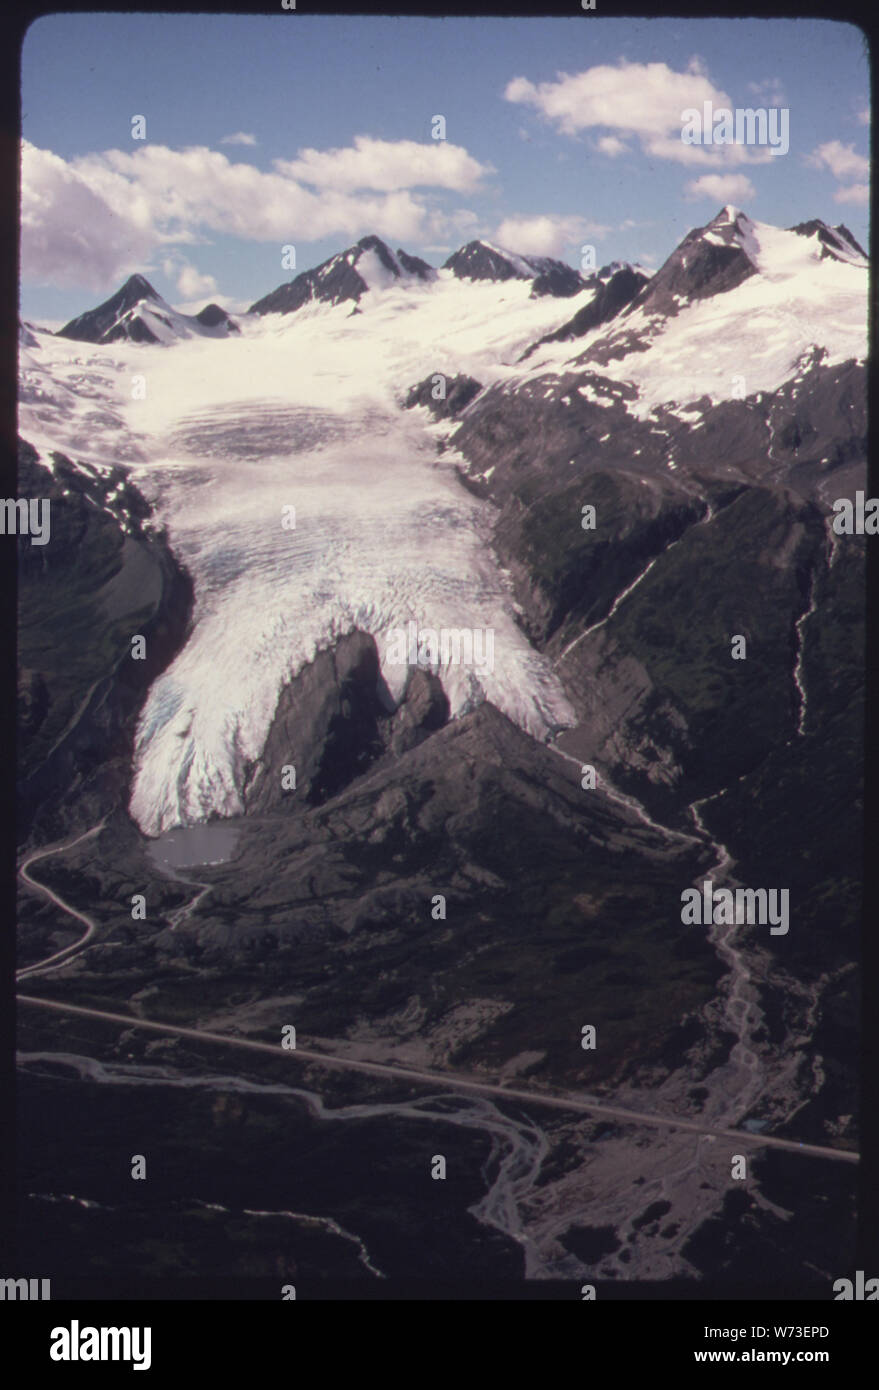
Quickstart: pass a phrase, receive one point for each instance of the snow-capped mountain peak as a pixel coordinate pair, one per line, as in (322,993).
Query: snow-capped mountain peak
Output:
(307,410)
(835,243)
(137,313)
(484,260)
(710,260)
(731,216)
(137,287)
(738,303)
(369,264)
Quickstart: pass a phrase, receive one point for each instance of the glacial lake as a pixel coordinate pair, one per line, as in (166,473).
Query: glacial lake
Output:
(190,846)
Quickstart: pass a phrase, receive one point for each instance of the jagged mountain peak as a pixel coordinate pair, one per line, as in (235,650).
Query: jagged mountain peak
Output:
(734,227)
(742,288)
(368,264)
(605,272)
(480,260)
(137,313)
(112,319)
(732,217)
(371,242)
(138,287)
(837,243)
(614,287)
(212,315)
(710,260)
(485,260)
(399,263)
(729,227)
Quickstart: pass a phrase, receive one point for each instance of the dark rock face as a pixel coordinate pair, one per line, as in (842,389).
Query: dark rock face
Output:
(808,790)
(479,261)
(837,243)
(819,423)
(478,812)
(135,331)
(82,597)
(697,269)
(414,265)
(670,694)
(638,617)
(212,316)
(374,243)
(325,725)
(561,281)
(569,577)
(334,720)
(460,391)
(100,325)
(33,702)
(612,294)
(425,709)
(526,435)
(332,282)
(801,436)
(337,279)
(119,319)
(476,261)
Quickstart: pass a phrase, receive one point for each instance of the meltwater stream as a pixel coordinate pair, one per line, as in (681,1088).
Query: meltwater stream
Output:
(510,1172)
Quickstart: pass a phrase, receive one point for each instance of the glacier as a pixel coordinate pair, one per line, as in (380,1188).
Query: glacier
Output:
(301,412)
(304,411)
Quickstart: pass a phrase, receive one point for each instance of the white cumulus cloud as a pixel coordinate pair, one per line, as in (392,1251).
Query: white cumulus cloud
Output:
(644,101)
(857,193)
(722,188)
(842,160)
(70,233)
(89,220)
(239,138)
(192,284)
(545,236)
(387,165)
(612,145)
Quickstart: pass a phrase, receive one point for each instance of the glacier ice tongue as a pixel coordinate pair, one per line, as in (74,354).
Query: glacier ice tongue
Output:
(383,536)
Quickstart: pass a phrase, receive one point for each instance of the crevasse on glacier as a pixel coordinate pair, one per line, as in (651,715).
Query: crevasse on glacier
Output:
(382,536)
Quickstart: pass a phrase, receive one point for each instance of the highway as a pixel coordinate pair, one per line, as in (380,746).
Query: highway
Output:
(456,1081)
(88,922)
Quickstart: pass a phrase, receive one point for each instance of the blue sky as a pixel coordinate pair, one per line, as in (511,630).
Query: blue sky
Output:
(559,133)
